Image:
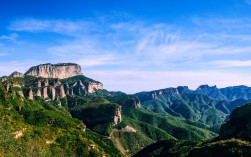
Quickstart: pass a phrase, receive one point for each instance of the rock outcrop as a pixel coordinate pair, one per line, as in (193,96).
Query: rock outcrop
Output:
(30,94)
(61,71)
(132,102)
(4,78)
(128,129)
(94,85)
(16,74)
(117,116)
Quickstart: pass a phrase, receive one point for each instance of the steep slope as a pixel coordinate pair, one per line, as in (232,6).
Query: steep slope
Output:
(234,138)
(239,124)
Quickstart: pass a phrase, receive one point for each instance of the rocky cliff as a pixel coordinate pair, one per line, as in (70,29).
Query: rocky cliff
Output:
(53,88)
(50,82)
(61,71)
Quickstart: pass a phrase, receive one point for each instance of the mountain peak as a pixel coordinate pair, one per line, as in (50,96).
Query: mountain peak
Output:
(204,87)
(60,70)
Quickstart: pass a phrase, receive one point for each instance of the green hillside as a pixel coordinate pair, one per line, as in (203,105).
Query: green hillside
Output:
(44,130)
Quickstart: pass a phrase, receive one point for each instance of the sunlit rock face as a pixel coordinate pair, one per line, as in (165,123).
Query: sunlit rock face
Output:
(61,70)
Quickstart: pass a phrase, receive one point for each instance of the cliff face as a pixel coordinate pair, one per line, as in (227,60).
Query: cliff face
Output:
(61,71)
(51,82)
(56,88)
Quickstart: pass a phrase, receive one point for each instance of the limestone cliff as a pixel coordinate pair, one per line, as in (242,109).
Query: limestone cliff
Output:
(61,71)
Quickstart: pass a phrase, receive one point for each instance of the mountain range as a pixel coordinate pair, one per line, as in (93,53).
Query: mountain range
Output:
(58,111)
(208,105)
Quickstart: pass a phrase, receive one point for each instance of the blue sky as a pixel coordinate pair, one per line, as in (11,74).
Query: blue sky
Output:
(130,45)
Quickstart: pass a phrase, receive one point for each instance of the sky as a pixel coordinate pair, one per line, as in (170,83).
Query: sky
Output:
(132,45)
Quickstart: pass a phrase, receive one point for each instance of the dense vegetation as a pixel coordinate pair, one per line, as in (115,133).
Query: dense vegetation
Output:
(233,141)
(46,131)
(97,110)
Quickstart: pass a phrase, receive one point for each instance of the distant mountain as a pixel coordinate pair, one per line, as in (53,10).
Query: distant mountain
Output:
(229,93)
(207,105)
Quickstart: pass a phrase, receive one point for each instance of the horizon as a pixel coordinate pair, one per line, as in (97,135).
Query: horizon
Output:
(132,46)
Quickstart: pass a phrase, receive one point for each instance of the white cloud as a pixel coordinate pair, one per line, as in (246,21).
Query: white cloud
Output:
(12,37)
(57,26)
